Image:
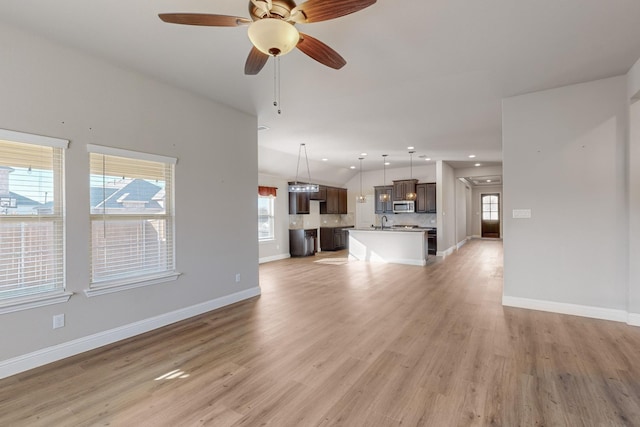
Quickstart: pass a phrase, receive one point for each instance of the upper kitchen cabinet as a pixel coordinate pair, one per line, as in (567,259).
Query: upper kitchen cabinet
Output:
(299,203)
(402,187)
(335,201)
(383,207)
(426,197)
(321,195)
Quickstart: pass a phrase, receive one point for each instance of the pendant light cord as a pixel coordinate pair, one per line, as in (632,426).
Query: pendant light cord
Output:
(298,165)
(307,160)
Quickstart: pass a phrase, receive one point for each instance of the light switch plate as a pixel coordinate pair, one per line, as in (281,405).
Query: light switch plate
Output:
(58,321)
(522,213)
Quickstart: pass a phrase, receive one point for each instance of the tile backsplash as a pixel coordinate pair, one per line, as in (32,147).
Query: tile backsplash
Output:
(421,220)
(335,220)
(327,220)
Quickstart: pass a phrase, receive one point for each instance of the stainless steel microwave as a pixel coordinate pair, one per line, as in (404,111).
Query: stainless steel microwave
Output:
(404,206)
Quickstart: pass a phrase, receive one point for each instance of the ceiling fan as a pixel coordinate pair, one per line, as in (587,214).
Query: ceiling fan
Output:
(272,28)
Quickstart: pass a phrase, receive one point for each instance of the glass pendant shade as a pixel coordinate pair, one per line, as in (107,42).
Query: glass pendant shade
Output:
(273,36)
(384,197)
(411,195)
(361,198)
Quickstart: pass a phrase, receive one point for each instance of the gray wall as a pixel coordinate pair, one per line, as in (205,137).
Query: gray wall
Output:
(54,91)
(564,158)
(633,94)
(462,192)
(446,202)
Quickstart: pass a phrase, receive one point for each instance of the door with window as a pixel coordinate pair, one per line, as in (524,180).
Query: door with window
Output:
(490,207)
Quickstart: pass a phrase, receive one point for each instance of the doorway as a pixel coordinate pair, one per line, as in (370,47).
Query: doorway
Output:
(490,208)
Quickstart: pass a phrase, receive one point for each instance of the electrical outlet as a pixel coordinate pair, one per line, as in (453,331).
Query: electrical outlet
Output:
(237,277)
(58,321)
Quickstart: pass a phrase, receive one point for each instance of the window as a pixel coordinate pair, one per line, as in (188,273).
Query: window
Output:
(490,207)
(132,219)
(266,219)
(31,221)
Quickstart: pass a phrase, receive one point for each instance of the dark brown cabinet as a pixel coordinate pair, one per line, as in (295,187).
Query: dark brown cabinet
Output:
(299,203)
(320,195)
(303,242)
(402,187)
(426,198)
(333,238)
(380,206)
(335,201)
(432,242)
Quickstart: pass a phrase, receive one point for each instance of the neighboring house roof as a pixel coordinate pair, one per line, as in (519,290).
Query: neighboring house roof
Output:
(133,191)
(22,200)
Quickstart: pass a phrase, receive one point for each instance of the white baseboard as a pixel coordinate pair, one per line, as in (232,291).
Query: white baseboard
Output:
(273,258)
(60,351)
(461,243)
(572,309)
(634,319)
(447,252)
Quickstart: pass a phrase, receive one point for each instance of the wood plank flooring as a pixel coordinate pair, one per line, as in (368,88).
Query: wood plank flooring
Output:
(336,343)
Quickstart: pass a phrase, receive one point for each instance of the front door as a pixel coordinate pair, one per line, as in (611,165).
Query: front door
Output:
(490,215)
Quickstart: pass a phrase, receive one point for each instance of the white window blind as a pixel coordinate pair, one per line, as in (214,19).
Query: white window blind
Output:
(132,216)
(31,216)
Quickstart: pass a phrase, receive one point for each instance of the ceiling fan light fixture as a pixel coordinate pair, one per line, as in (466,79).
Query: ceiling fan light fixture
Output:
(273,36)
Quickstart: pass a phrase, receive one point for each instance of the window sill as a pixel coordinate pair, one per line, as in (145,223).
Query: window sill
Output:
(267,240)
(124,285)
(34,301)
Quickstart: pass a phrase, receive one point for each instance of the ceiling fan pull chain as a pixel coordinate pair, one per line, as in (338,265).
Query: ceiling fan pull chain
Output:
(276,83)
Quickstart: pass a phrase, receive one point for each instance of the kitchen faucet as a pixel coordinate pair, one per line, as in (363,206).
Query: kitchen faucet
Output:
(383,220)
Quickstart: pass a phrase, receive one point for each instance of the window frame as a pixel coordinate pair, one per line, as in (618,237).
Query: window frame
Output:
(59,294)
(107,286)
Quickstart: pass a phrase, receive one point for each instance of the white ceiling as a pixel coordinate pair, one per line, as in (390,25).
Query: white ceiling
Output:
(429,74)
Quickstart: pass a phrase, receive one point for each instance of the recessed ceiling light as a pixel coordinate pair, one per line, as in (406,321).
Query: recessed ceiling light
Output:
(472,156)
(488,180)
(363,154)
(387,163)
(263,127)
(427,159)
(352,167)
(410,148)
(477,164)
(325,160)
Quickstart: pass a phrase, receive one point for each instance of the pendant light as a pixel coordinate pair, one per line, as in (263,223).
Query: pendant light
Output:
(302,187)
(384,197)
(361,198)
(411,195)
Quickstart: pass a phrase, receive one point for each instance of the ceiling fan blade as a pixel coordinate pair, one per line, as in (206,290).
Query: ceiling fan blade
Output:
(320,52)
(322,10)
(204,19)
(255,62)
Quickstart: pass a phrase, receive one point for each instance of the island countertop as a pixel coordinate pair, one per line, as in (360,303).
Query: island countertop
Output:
(399,246)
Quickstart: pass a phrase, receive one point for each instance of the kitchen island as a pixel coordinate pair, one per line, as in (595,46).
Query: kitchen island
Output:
(398,246)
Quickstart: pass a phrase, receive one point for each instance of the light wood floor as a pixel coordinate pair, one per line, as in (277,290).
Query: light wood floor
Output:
(336,343)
